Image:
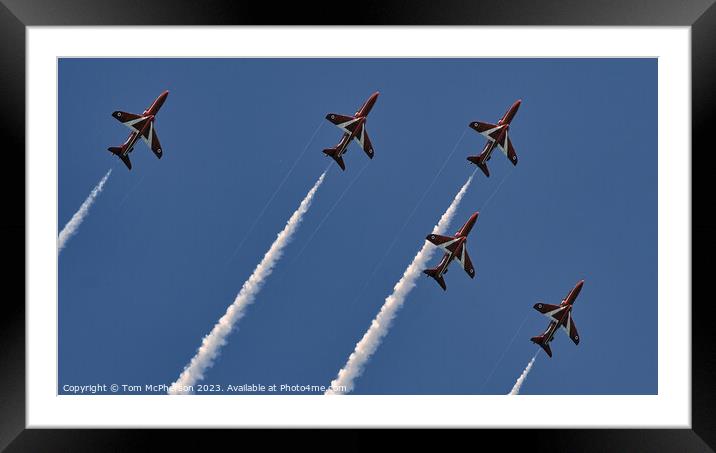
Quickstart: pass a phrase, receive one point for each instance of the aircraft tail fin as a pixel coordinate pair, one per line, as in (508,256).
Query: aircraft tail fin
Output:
(438,278)
(543,344)
(119,152)
(333,153)
(483,166)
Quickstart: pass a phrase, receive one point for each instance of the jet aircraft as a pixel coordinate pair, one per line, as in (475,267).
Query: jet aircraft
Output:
(353,127)
(455,249)
(496,135)
(141,126)
(560,316)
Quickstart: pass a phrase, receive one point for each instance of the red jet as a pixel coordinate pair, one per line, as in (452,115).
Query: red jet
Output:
(496,135)
(560,316)
(141,126)
(455,248)
(353,127)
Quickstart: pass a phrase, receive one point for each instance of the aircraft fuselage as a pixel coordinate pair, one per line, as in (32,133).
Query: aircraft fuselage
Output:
(128,145)
(567,303)
(461,237)
(354,128)
(141,126)
(449,257)
(342,145)
(150,114)
(367,106)
(504,125)
(360,115)
(157,104)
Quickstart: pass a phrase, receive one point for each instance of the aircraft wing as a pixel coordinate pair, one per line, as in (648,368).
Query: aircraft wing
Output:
(364,141)
(152,140)
(344,122)
(466,262)
(506,147)
(488,130)
(131,120)
(444,242)
(549,310)
(571,329)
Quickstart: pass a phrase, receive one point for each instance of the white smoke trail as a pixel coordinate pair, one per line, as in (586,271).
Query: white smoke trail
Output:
(379,326)
(212,343)
(521,380)
(73,225)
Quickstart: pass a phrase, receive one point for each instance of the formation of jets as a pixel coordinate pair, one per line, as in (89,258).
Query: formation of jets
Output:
(354,128)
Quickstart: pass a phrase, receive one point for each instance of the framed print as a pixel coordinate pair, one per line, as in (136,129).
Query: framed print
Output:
(235,218)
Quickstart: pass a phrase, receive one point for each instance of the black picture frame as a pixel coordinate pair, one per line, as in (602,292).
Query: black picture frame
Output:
(16,15)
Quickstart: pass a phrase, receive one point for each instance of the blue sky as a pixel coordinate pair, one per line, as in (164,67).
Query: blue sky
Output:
(150,270)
